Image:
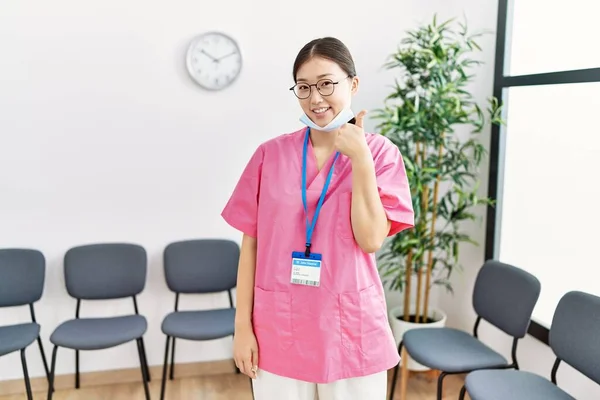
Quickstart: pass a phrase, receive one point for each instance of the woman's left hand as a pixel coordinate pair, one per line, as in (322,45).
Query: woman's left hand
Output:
(351,140)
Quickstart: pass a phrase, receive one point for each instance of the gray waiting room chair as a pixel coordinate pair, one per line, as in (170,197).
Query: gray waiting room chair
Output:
(574,339)
(504,296)
(96,272)
(22,275)
(198,266)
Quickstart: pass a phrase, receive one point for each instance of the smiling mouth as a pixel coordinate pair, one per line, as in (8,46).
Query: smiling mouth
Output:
(320,110)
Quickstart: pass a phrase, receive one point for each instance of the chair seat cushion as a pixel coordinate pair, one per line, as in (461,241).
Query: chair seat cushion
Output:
(513,385)
(450,350)
(200,325)
(99,333)
(17,337)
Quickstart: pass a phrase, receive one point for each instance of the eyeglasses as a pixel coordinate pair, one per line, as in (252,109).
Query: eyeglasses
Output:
(325,87)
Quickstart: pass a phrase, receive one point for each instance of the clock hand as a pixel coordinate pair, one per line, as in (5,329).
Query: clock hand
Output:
(230,54)
(209,56)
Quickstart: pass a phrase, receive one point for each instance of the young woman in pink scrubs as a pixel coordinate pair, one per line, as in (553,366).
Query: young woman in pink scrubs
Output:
(311,315)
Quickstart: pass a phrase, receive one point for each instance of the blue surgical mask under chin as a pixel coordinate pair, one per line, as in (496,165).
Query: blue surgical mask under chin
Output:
(342,118)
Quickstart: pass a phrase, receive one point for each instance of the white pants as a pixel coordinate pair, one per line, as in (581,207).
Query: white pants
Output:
(268,386)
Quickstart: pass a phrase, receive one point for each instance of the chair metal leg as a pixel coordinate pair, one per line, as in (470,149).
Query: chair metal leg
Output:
(394,379)
(26,375)
(439,385)
(41,346)
(145,371)
(145,360)
(463,391)
(163,384)
(172,371)
(395,376)
(52,370)
(143,368)
(76,369)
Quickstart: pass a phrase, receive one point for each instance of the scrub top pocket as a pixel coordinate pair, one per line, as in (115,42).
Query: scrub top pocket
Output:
(272,317)
(363,320)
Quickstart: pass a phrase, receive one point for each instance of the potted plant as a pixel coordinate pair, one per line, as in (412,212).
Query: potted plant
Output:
(435,122)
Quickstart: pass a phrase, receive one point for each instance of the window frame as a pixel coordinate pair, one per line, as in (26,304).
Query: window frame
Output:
(501,84)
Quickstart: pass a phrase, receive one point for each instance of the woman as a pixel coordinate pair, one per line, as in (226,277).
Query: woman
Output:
(311,314)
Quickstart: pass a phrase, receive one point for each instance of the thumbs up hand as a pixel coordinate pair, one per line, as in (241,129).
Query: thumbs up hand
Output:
(351,140)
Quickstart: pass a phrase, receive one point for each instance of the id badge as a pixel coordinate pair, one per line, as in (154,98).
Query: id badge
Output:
(306,270)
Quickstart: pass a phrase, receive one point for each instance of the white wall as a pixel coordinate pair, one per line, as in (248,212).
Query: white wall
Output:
(105,138)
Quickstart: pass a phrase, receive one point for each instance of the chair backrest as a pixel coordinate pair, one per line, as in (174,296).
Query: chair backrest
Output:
(575,333)
(505,296)
(22,275)
(105,271)
(201,265)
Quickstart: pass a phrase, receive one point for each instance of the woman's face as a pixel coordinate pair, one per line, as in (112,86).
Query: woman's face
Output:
(335,89)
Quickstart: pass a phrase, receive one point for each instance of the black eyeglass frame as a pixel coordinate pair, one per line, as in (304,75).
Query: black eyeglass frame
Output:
(310,86)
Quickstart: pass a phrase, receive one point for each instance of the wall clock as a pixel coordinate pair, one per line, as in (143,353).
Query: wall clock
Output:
(214,60)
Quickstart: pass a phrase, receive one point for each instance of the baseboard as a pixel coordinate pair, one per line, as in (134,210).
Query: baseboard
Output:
(112,377)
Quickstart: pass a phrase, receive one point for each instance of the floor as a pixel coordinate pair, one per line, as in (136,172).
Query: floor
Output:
(224,387)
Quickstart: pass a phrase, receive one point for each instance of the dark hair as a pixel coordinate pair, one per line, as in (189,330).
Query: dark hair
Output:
(330,48)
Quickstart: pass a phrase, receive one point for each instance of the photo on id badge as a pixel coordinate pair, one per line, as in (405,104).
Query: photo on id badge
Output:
(306,269)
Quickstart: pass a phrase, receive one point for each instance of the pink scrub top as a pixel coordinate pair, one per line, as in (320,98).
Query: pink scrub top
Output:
(339,329)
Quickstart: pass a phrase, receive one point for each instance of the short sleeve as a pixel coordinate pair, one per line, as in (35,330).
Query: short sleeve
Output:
(394,190)
(241,210)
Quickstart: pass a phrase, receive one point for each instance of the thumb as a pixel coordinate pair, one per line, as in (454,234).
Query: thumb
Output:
(360,117)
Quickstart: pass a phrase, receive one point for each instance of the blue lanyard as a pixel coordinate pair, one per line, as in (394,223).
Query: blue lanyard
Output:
(311,227)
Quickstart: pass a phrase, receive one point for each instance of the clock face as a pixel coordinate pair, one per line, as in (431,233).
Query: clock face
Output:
(214,60)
